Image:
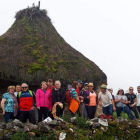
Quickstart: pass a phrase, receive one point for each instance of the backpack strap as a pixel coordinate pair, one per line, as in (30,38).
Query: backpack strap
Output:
(19,94)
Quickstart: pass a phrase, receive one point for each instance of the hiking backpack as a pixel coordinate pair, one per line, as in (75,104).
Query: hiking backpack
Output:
(67,97)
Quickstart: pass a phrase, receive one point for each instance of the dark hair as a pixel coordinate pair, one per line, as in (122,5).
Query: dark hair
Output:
(18,85)
(118,92)
(50,80)
(138,86)
(74,84)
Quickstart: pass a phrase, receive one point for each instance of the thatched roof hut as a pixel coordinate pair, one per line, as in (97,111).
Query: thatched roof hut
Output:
(32,50)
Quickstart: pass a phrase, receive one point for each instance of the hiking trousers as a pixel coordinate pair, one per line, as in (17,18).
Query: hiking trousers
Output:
(42,113)
(91,110)
(24,115)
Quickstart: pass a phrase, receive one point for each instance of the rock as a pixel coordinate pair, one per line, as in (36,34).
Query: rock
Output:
(26,129)
(73,120)
(44,128)
(57,128)
(17,128)
(47,120)
(62,136)
(32,126)
(1,133)
(31,134)
(7,134)
(2,125)
(9,126)
(18,123)
(104,129)
(71,130)
(54,123)
(94,120)
(95,125)
(90,123)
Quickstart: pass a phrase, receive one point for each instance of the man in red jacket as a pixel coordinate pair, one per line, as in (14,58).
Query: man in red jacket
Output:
(26,101)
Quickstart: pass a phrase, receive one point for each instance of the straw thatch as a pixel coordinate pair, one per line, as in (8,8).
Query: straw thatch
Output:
(32,50)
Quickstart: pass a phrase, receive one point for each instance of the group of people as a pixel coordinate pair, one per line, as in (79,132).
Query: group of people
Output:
(49,101)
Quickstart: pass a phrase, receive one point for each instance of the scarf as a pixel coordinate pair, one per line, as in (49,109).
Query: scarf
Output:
(15,104)
(54,109)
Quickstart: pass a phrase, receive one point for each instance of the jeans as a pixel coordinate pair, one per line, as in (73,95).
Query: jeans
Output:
(42,112)
(24,115)
(124,109)
(8,116)
(138,108)
(108,110)
(134,109)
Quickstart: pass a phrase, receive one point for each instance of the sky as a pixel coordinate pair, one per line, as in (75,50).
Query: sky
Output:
(105,31)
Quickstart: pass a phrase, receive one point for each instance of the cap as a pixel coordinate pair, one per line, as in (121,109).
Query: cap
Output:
(86,84)
(104,86)
(80,81)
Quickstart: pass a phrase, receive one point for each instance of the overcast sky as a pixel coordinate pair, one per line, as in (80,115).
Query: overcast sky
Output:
(105,31)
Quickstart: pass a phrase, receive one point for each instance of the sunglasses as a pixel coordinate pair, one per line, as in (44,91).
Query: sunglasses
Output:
(130,89)
(24,87)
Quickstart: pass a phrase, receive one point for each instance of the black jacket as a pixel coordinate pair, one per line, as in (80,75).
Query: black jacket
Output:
(58,95)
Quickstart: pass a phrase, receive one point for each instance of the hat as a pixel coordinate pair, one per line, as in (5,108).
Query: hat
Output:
(110,89)
(104,86)
(90,84)
(86,84)
(80,81)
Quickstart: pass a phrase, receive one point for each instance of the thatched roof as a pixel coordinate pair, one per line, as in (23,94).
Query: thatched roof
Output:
(32,50)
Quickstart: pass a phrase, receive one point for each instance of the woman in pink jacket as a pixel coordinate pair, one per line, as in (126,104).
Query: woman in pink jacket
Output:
(43,101)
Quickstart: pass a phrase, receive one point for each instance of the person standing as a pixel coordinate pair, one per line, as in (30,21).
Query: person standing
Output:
(43,101)
(58,99)
(132,101)
(18,89)
(111,91)
(138,99)
(93,101)
(9,104)
(105,100)
(121,101)
(74,103)
(26,101)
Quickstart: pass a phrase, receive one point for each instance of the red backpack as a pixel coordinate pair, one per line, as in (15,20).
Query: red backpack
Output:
(67,97)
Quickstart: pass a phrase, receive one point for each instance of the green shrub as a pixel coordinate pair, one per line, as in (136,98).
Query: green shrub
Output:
(35,66)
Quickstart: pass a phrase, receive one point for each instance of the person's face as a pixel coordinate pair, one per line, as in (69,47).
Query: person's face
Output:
(86,87)
(57,85)
(120,92)
(18,88)
(130,90)
(12,90)
(79,85)
(24,87)
(103,90)
(138,89)
(50,84)
(90,88)
(44,86)
(110,90)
